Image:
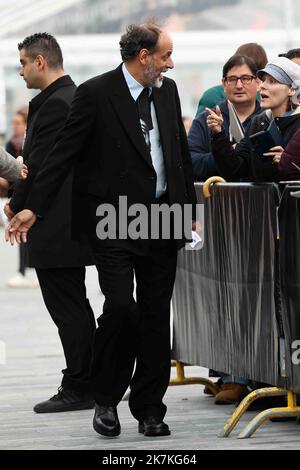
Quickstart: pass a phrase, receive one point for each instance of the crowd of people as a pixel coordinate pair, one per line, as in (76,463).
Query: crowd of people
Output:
(262,93)
(117,134)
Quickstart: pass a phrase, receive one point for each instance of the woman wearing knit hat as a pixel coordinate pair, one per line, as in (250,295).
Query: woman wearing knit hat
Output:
(280,97)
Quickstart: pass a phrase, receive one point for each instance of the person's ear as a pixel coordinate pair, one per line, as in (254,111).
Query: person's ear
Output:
(292,91)
(40,61)
(143,56)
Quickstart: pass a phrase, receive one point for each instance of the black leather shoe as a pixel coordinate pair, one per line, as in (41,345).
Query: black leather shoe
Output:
(106,421)
(65,400)
(153,427)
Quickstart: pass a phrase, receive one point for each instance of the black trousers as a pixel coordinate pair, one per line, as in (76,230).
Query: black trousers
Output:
(64,294)
(134,332)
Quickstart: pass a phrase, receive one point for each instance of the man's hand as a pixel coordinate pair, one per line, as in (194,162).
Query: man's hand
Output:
(275,152)
(214,120)
(24,169)
(19,226)
(7,210)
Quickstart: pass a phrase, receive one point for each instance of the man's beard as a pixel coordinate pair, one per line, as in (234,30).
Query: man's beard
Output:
(152,78)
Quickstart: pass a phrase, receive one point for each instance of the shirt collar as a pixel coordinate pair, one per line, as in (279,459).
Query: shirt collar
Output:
(134,86)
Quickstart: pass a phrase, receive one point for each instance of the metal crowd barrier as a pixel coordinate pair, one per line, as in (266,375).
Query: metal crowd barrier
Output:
(236,300)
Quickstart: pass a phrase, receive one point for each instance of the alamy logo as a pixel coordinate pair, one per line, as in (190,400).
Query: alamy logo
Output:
(296,353)
(160,221)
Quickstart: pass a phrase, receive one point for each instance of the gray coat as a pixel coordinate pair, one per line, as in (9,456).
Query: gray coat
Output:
(9,167)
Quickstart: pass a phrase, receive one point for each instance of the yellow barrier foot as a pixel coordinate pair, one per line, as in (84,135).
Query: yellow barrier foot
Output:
(182,380)
(245,403)
(264,416)
(291,411)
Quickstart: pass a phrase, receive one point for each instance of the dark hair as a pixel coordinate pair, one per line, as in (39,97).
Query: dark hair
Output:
(291,54)
(239,60)
(256,52)
(23,112)
(46,45)
(138,37)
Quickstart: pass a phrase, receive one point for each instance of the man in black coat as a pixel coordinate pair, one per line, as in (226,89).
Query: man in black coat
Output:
(59,261)
(126,135)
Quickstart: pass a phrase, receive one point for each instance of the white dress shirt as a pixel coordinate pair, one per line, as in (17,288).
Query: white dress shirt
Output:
(156,151)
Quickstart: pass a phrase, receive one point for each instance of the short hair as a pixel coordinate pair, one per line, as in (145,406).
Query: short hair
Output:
(138,37)
(236,60)
(291,54)
(46,45)
(256,52)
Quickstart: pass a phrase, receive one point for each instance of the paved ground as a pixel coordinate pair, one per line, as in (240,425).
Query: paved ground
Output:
(31,373)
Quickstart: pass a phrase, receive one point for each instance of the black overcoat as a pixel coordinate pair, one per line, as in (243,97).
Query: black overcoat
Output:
(103,137)
(50,244)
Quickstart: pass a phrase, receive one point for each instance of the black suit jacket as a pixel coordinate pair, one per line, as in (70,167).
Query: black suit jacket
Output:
(49,243)
(104,137)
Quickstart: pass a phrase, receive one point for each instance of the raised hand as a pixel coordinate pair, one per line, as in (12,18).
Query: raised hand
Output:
(214,120)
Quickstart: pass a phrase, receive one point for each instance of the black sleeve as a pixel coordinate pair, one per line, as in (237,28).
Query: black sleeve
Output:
(232,163)
(241,161)
(69,145)
(50,121)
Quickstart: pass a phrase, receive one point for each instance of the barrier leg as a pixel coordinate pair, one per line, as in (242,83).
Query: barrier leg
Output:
(246,402)
(182,380)
(291,410)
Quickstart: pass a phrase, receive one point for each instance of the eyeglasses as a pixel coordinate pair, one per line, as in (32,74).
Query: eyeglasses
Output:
(245,79)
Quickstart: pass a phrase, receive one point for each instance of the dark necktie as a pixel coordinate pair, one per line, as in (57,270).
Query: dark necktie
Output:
(144,108)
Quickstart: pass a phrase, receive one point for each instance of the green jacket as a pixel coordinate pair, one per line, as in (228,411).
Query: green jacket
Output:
(211,98)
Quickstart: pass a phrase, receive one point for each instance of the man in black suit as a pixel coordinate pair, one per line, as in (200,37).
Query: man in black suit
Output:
(59,261)
(126,135)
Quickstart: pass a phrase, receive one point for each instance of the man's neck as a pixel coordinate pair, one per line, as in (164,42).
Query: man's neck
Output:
(135,73)
(244,110)
(51,77)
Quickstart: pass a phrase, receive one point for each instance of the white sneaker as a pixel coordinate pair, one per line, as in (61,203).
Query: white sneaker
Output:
(20,281)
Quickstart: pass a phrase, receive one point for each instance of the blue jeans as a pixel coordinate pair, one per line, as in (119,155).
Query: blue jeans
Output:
(233,379)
